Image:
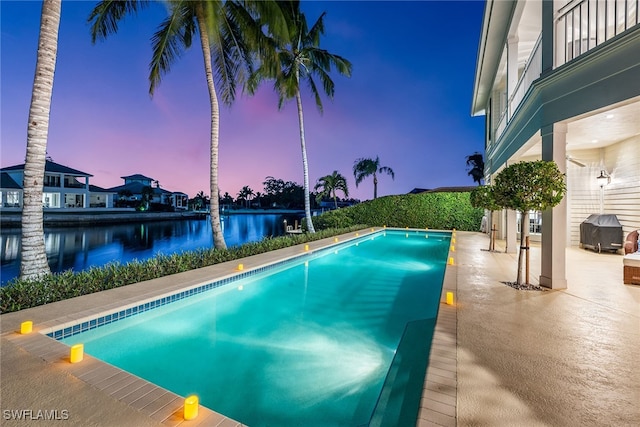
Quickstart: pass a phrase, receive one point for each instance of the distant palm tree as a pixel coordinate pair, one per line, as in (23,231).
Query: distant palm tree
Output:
(364,167)
(33,255)
(476,165)
(245,194)
(219,25)
(329,185)
(299,57)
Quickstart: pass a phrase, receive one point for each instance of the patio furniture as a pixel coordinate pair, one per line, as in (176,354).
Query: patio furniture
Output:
(631,243)
(601,232)
(631,260)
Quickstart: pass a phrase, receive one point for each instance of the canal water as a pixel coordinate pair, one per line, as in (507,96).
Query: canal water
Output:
(79,248)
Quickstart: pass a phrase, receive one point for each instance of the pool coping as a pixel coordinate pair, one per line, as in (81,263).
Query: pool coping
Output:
(438,403)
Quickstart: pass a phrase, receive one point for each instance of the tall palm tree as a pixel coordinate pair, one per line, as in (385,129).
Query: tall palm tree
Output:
(476,167)
(221,27)
(329,184)
(365,167)
(298,58)
(33,255)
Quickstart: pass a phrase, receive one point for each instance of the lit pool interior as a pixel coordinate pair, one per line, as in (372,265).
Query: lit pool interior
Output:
(338,337)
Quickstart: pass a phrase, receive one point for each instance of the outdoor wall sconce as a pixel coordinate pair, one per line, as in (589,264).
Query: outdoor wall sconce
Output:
(604,178)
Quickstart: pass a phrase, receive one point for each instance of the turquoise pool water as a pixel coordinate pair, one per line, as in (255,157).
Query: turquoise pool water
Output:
(307,343)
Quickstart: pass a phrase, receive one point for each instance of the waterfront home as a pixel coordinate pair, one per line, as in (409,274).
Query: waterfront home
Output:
(133,189)
(64,188)
(558,80)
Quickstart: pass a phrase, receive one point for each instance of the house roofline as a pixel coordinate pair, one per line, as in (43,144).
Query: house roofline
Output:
(495,28)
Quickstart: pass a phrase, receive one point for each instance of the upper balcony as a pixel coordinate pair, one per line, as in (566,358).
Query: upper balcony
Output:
(579,26)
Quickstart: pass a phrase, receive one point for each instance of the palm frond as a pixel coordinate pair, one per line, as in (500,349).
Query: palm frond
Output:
(388,171)
(104,18)
(168,42)
(316,30)
(316,94)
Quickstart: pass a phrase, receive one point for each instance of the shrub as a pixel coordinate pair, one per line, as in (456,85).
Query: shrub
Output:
(426,210)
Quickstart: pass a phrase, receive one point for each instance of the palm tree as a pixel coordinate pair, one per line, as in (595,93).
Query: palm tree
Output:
(219,25)
(299,57)
(245,194)
(476,167)
(33,254)
(364,167)
(330,184)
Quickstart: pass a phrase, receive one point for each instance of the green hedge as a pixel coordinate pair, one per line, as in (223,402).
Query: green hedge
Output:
(21,294)
(442,211)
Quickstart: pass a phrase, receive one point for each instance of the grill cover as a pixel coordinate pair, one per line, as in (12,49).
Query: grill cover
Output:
(601,232)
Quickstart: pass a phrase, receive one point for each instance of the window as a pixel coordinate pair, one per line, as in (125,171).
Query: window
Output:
(51,200)
(73,200)
(10,199)
(52,180)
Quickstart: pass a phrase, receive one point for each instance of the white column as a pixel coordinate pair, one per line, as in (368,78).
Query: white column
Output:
(87,198)
(547,36)
(511,238)
(554,221)
(512,71)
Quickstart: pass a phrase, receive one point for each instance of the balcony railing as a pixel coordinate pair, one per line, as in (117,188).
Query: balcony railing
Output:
(531,72)
(586,24)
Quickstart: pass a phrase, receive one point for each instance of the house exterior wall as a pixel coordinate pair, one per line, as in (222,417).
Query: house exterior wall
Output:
(622,195)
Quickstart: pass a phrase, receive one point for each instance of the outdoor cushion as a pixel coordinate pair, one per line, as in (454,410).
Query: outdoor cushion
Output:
(631,260)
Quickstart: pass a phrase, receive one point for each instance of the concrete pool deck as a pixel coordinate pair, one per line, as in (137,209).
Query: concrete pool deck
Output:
(499,356)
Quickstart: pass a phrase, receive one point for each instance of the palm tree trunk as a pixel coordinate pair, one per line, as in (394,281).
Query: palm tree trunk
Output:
(216,227)
(335,199)
(305,166)
(375,186)
(33,254)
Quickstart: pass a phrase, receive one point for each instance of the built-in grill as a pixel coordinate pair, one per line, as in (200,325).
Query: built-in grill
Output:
(601,232)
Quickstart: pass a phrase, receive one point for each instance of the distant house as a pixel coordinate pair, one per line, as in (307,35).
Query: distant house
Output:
(10,192)
(133,189)
(64,188)
(463,189)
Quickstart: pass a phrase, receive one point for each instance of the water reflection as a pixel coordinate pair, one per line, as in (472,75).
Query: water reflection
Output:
(81,248)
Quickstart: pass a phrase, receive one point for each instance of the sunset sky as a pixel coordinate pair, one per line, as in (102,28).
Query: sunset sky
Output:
(408,101)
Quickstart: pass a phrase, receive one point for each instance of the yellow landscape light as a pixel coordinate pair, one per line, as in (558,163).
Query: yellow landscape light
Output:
(190,407)
(453,240)
(306,248)
(449,298)
(450,260)
(453,248)
(77,353)
(240,267)
(357,234)
(26,327)
(335,239)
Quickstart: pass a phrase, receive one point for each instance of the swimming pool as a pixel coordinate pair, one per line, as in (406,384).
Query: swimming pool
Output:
(309,342)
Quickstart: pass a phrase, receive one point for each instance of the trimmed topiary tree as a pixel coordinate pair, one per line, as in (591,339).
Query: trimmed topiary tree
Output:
(483,197)
(528,186)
